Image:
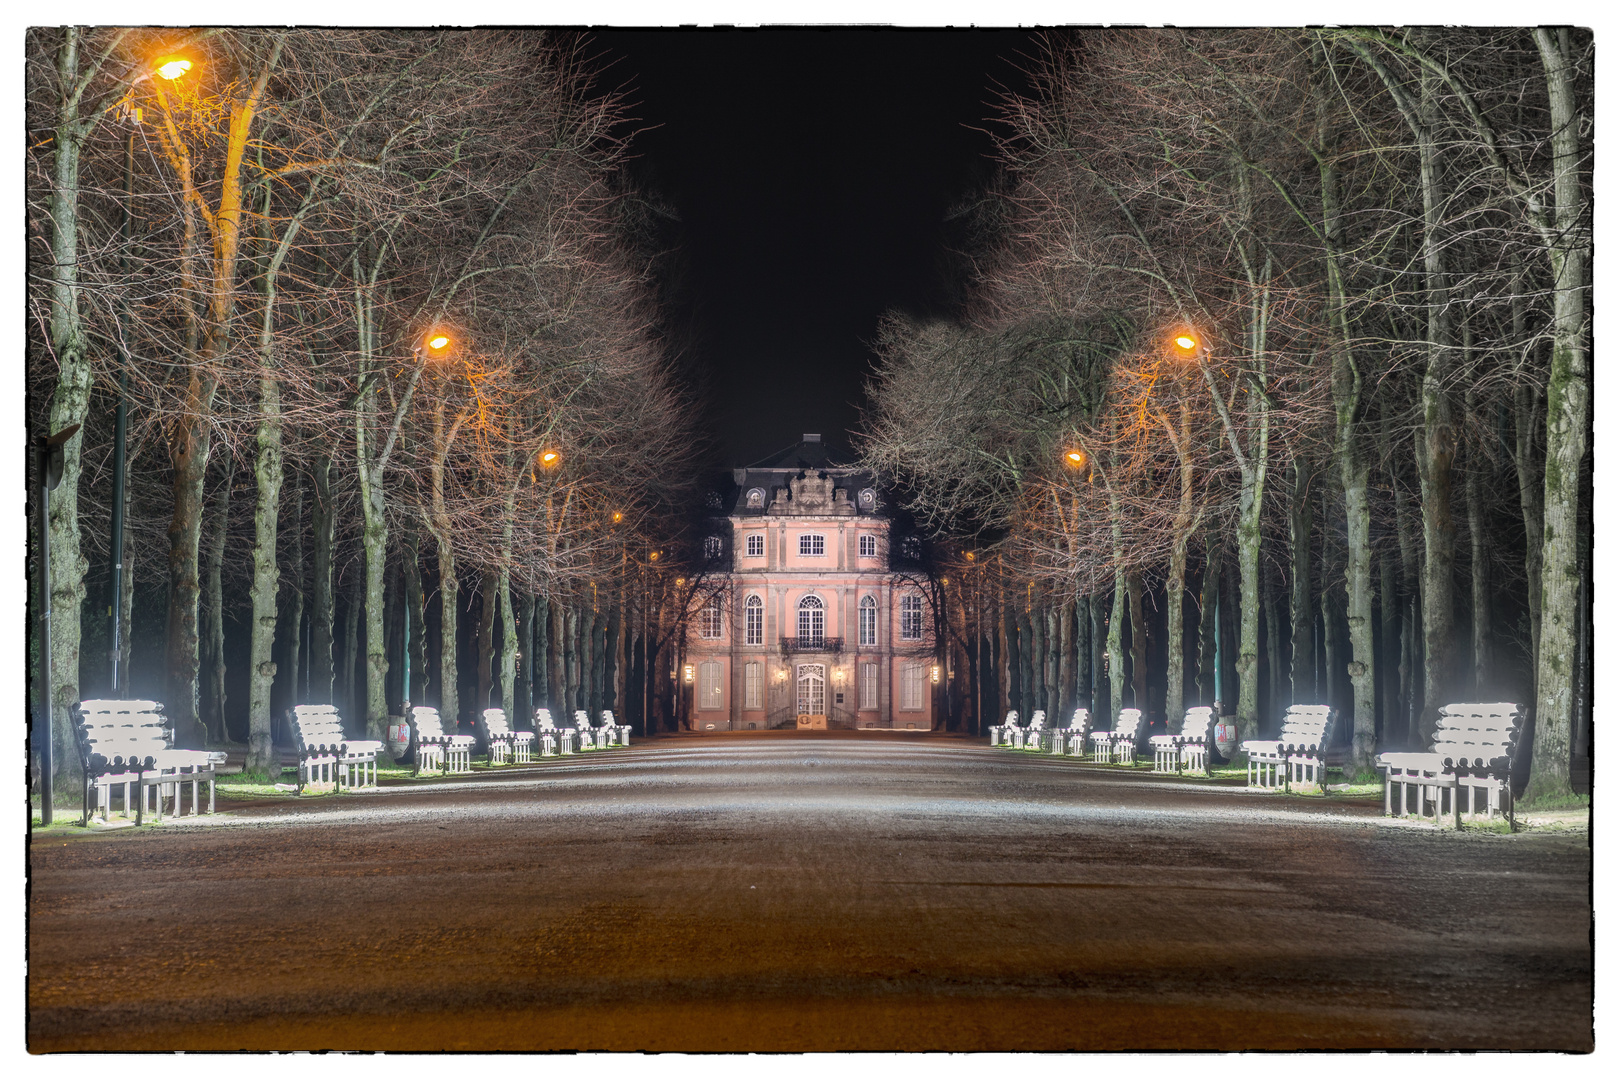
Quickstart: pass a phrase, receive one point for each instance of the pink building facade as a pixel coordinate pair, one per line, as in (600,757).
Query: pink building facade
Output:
(805,621)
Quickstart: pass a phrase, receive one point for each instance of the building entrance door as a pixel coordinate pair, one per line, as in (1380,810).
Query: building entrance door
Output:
(812,696)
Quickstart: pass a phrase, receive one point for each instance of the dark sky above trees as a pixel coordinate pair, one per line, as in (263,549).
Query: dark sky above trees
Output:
(812,171)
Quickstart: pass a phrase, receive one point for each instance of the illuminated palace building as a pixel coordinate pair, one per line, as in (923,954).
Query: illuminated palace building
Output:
(804,619)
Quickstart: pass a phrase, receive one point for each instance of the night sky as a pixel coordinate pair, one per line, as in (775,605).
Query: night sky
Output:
(811,171)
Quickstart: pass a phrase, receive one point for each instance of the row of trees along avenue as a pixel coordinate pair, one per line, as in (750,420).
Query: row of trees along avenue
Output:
(1286,332)
(378,306)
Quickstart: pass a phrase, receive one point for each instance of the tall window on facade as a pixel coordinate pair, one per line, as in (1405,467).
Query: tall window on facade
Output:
(812,544)
(754,686)
(710,694)
(911,686)
(754,621)
(712,547)
(869,686)
(868,546)
(710,622)
(911,623)
(756,544)
(812,622)
(812,690)
(868,621)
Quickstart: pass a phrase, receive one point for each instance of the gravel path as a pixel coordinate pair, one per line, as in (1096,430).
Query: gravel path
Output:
(781,892)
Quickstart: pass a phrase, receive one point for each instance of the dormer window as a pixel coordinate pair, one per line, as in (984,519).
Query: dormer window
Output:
(867,498)
(812,544)
(756,498)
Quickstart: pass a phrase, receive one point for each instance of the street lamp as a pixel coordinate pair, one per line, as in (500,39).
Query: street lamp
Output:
(1075,458)
(172,67)
(550,458)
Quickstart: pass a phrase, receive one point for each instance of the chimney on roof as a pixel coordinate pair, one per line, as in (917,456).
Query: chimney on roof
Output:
(812,436)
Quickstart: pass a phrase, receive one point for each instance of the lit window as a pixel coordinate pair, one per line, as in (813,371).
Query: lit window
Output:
(710,623)
(754,621)
(911,687)
(712,547)
(812,690)
(911,617)
(754,686)
(812,622)
(868,546)
(756,544)
(812,544)
(868,621)
(710,693)
(869,686)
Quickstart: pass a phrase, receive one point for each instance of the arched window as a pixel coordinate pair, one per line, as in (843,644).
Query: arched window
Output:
(754,621)
(868,621)
(812,622)
(812,690)
(911,619)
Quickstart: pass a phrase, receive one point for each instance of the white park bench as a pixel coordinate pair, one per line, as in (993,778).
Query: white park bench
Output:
(506,747)
(1297,754)
(1072,739)
(1473,749)
(435,748)
(589,737)
(620,732)
(328,759)
(1119,745)
(1035,735)
(1002,734)
(127,745)
(1189,747)
(550,735)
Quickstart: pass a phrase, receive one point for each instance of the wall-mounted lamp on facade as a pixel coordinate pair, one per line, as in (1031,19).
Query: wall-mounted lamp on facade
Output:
(933,673)
(838,676)
(686,673)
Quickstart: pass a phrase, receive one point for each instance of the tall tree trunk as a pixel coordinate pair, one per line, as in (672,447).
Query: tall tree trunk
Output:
(1006,666)
(1098,637)
(322,519)
(1116,647)
(571,701)
(611,652)
(1139,672)
(598,661)
(1479,574)
(558,649)
(524,696)
(486,642)
(1302,649)
(267,474)
(1030,667)
(213,614)
(1568,402)
(1208,601)
(1175,634)
(416,605)
(294,629)
(1389,602)
(509,644)
(1064,626)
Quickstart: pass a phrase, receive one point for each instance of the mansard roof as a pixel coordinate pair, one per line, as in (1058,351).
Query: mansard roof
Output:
(803,479)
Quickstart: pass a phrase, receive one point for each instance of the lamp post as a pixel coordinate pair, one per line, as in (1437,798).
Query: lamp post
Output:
(436,344)
(170,68)
(50,475)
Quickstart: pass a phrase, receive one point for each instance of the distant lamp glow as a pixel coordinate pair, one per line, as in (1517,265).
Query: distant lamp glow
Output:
(653,557)
(172,67)
(549,458)
(679,582)
(617,517)
(969,556)
(1075,458)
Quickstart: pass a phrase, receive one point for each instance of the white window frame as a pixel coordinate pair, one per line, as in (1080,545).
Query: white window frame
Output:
(713,547)
(912,678)
(753,685)
(868,621)
(869,686)
(911,618)
(753,621)
(812,545)
(815,624)
(756,545)
(711,693)
(868,546)
(712,621)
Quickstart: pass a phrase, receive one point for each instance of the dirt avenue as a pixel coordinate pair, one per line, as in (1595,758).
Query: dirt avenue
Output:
(853,892)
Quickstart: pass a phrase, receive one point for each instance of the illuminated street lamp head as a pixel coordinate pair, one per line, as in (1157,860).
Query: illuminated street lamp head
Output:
(172,67)
(617,517)
(1187,343)
(1074,459)
(437,344)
